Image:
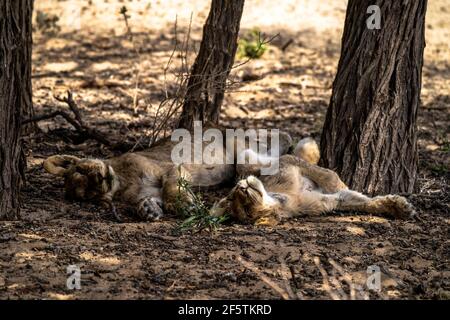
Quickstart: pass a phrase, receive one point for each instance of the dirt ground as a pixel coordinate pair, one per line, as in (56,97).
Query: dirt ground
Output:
(309,258)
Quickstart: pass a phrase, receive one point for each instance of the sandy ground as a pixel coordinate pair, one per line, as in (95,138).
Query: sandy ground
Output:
(310,258)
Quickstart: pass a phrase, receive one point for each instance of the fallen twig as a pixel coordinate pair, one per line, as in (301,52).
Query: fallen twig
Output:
(52,115)
(287,44)
(77,122)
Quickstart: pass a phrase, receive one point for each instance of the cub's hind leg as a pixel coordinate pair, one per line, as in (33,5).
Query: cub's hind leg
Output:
(174,192)
(391,205)
(347,200)
(145,196)
(327,180)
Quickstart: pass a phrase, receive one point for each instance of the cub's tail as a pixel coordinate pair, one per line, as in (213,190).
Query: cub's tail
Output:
(308,150)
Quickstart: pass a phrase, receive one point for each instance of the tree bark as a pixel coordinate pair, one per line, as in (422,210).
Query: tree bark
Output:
(207,81)
(369,136)
(15,98)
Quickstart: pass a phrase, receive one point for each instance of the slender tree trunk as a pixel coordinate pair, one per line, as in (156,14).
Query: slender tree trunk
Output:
(369,135)
(15,97)
(206,84)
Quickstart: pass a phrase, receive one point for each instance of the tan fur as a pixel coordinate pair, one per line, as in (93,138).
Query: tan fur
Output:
(307,150)
(301,188)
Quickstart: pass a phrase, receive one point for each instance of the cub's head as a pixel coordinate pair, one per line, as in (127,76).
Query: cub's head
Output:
(248,202)
(84,179)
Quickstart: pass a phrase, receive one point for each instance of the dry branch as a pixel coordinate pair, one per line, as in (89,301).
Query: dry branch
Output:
(76,120)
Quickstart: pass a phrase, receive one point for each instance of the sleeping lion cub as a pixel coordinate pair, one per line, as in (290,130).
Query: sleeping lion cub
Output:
(149,182)
(301,188)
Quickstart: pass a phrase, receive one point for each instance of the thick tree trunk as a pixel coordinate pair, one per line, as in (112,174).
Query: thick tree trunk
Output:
(15,97)
(206,85)
(369,135)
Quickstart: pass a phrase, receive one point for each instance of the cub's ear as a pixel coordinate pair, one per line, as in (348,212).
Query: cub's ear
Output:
(59,164)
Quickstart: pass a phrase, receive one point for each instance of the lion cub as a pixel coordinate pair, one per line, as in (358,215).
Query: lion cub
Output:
(300,188)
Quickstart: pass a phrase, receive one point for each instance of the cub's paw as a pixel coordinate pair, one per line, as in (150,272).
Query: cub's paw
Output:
(398,207)
(149,209)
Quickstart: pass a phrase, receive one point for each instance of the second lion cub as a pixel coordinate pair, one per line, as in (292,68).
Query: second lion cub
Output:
(301,188)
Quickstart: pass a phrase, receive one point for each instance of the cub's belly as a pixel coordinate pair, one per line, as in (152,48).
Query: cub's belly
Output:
(307,185)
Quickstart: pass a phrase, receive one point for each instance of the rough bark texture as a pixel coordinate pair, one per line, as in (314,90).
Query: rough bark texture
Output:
(15,97)
(369,135)
(206,85)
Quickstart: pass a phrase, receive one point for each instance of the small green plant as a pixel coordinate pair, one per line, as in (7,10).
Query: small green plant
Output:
(47,23)
(196,213)
(251,45)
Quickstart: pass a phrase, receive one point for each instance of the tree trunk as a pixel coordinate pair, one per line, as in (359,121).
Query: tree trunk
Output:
(369,135)
(206,84)
(15,97)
